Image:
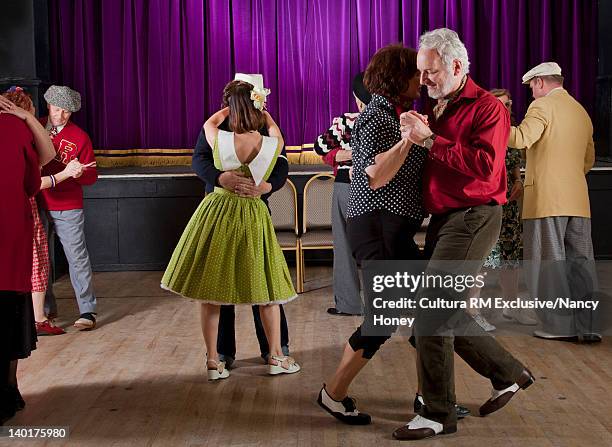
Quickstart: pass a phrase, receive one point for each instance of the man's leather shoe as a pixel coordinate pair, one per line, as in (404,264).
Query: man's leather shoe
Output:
(419,407)
(421,428)
(334,311)
(590,338)
(549,336)
(499,398)
(462,411)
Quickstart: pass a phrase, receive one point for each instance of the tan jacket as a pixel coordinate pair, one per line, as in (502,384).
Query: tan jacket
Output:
(558,135)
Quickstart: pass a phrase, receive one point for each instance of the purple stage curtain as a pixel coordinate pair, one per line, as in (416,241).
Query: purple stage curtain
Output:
(151,71)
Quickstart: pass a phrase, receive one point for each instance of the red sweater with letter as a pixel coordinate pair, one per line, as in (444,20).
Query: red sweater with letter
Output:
(70,143)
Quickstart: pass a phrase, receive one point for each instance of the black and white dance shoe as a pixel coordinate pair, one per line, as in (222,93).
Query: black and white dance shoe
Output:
(499,398)
(419,407)
(344,410)
(421,428)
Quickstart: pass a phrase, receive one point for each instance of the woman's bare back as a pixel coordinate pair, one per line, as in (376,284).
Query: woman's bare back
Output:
(247,146)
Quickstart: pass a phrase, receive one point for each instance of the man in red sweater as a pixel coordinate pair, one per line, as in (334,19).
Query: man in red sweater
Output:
(64,201)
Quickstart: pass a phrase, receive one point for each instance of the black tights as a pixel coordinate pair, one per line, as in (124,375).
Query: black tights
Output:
(379,235)
(8,373)
(12,373)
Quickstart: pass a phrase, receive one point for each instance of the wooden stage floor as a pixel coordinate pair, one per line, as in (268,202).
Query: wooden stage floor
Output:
(139,380)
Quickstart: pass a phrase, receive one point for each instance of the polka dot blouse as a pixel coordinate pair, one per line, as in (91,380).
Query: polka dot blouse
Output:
(377,130)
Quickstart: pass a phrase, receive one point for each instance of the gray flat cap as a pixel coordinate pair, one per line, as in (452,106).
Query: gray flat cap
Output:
(63,97)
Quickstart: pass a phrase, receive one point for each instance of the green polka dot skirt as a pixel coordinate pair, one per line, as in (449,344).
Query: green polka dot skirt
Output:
(228,254)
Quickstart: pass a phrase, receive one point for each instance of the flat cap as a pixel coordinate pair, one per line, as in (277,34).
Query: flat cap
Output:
(63,97)
(544,69)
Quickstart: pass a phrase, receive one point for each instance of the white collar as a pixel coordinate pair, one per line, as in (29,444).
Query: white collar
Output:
(258,166)
(59,128)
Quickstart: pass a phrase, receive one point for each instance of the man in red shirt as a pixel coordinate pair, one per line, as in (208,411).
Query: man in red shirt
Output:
(64,202)
(464,186)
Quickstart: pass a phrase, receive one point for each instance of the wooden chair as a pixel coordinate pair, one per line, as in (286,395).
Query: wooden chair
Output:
(283,206)
(317,226)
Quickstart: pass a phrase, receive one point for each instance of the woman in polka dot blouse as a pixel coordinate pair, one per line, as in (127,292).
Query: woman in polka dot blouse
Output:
(385,206)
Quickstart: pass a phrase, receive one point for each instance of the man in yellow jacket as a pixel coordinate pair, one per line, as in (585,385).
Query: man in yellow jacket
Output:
(557,134)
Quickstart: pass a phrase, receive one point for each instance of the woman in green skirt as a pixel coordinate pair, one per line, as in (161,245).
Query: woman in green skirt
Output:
(228,253)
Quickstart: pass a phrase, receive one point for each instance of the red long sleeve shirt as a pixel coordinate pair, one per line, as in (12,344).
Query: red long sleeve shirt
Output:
(70,143)
(466,166)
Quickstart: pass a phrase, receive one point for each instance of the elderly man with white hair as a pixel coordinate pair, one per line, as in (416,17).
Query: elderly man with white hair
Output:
(464,186)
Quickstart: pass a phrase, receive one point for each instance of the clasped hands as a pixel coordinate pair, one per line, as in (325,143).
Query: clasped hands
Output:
(239,184)
(415,127)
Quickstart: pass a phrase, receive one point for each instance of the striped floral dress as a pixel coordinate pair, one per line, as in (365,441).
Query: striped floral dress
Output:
(40,258)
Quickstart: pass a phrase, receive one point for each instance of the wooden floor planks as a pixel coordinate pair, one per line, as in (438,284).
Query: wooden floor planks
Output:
(138,380)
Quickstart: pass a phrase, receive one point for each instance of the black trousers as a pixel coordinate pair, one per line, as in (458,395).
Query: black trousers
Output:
(226,337)
(380,235)
(465,234)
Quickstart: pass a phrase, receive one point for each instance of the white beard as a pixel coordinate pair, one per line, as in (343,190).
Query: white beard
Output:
(443,91)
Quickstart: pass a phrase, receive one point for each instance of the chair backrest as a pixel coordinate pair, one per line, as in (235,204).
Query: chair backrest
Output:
(283,206)
(318,202)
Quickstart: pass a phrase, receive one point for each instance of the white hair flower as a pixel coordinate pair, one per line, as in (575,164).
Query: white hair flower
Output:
(258,96)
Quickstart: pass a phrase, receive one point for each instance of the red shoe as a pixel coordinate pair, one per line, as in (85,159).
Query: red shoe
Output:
(46,328)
